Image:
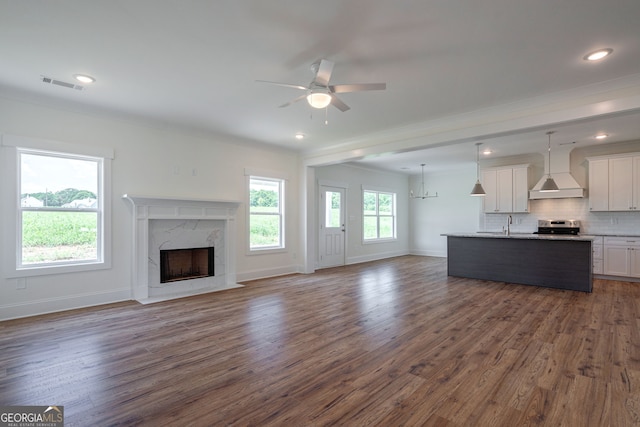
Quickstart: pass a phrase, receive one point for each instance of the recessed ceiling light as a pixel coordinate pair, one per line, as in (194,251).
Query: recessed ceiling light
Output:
(84,78)
(299,136)
(598,54)
(487,151)
(602,136)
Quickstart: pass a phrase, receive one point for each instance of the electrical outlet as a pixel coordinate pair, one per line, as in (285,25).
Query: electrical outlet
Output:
(21,283)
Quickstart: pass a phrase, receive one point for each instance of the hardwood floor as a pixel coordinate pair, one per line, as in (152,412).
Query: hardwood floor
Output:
(388,343)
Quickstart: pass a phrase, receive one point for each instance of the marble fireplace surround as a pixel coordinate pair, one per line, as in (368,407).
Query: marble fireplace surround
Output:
(176,223)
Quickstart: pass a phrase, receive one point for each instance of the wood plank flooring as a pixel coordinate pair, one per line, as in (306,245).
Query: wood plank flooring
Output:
(388,343)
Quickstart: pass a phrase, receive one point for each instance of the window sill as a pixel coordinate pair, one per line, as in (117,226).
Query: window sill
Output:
(56,269)
(374,241)
(266,251)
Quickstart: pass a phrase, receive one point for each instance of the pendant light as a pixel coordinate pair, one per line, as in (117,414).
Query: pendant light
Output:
(549,185)
(425,194)
(477,189)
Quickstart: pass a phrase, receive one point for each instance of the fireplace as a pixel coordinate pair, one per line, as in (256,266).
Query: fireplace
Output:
(185,264)
(172,224)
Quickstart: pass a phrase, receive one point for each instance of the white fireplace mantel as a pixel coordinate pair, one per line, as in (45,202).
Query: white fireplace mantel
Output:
(149,208)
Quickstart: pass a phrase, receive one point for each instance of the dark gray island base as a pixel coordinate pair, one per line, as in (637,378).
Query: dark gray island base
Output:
(547,262)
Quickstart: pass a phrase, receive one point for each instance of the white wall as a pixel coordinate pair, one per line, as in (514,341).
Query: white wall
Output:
(454,210)
(149,160)
(354,177)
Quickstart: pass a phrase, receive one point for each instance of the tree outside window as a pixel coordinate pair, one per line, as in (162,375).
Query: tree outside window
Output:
(266,213)
(60,215)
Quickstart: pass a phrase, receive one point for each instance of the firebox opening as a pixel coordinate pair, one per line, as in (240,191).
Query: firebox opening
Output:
(185,264)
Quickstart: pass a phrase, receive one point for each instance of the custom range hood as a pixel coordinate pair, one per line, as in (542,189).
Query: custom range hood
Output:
(559,166)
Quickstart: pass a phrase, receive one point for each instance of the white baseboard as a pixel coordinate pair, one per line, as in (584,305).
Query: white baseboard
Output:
(618,278)
(438,254)
(375,257)
(69,302)
(246,276)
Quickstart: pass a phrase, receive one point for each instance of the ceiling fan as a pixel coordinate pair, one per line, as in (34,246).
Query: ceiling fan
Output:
(320,93)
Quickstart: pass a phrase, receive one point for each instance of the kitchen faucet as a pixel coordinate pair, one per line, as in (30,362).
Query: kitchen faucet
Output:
(509,222)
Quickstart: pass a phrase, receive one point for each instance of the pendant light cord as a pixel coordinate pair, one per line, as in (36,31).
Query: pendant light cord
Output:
(549,152)
(478,162)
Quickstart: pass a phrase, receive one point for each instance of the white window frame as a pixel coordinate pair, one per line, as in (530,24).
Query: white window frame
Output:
(281,180)
(12,148)
(377,215)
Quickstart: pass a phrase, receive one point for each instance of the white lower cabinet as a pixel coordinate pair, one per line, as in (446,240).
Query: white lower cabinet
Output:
(622,256)
(635,262)
(597,247)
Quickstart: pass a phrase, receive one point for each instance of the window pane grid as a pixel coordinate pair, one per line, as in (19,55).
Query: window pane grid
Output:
(266,218)
(60,216)
(378,215)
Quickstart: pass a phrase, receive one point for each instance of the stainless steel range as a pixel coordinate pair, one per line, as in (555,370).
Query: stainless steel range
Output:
(558,226)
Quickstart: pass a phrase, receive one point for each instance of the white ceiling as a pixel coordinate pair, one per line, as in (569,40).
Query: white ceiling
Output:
(194,64)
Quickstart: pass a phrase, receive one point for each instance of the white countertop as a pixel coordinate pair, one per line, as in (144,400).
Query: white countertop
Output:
(523,236)
(612,235)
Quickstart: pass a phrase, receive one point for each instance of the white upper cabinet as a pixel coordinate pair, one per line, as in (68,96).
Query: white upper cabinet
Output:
(521,189)
(490,184)
(507,189)
(614,183)
(599,185)
(621,184)
(636,182)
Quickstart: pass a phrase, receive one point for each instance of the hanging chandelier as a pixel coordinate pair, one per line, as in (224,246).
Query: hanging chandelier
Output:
(424,194)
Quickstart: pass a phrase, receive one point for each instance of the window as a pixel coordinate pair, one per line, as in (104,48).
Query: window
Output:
(332,209)
(379,215)
(60,207)
(266,213)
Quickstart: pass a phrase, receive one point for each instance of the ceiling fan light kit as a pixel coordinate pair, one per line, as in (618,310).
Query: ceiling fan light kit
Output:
(320,93)
(319,99)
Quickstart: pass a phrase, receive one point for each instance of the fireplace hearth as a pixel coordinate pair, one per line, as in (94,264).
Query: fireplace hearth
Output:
(186,264)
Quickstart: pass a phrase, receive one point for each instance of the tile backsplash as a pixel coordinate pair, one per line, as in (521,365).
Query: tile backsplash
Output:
(574,208)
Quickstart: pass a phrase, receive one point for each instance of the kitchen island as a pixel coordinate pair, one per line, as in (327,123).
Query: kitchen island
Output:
(553,261)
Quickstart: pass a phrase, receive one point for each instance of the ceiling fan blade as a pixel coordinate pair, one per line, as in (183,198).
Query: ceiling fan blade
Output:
(336,102)
(283,84)
(357,87)
(325,68)
(301,97)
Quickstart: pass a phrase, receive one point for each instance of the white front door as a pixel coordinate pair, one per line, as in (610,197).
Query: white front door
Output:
(332,226)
